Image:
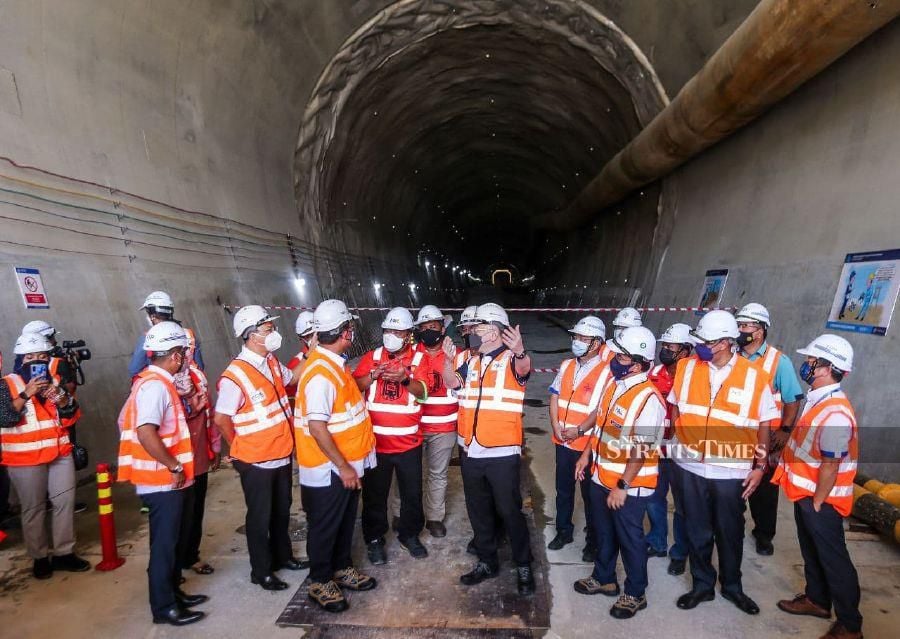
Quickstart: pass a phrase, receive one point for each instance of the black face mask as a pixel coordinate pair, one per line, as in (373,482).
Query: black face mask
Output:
(667,357)
(472,340)
(430,337)
(743,339)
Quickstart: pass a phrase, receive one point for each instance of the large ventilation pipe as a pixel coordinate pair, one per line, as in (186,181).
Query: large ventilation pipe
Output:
(781,45)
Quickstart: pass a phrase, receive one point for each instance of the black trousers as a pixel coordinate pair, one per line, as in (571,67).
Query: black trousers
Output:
(377,487)
(492,487)
(566,458)
(165,526)
(764,507)
(620,533)
(331,516)
(831,578)
(267,493)
(192,523)
(714,515)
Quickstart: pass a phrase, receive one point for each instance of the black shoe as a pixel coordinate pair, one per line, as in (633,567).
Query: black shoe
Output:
(294,564)
(742,601)
(42,568)
(80,507)
(653,552)
(764,547)
(377,554)
(589,554)
(694,598)
(479,573)
(470,547)
(177,616)
(189,601)
(676,566)
(436,528)
(269,582)
(560,541)
(70,563)
(525,580)
(414,547)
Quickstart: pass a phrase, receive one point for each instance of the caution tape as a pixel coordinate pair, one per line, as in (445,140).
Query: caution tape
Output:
(544,370)
(568,309)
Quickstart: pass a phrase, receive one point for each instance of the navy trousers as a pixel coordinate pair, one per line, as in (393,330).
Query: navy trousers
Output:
(658,514)
(566,458)
(165,526)
(620,532)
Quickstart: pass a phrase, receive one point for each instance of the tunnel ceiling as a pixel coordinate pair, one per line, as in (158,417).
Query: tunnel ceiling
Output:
(455,141)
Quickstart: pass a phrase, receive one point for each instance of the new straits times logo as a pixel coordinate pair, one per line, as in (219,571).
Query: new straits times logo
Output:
(705,449)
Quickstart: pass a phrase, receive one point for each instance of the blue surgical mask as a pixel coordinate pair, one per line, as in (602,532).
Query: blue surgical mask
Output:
(579,348)
(704,352)
(807,372)
(619,370)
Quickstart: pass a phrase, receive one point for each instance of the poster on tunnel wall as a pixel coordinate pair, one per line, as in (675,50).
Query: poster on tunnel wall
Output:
(866,293)
(713,289)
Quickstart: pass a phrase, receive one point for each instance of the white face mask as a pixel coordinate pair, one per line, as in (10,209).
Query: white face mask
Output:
(272,341)
(579,348)
(618,333)
(392,343)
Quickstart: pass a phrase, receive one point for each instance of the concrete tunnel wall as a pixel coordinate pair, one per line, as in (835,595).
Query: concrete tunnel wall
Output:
(198,106)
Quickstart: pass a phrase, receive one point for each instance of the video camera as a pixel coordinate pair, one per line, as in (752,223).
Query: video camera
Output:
(74,352)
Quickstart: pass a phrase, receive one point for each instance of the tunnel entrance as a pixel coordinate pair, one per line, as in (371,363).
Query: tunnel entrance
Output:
(440,130)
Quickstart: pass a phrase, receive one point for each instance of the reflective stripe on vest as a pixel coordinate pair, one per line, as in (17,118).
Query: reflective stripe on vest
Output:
(384,413)
(491,402)
(262,427)
(38,438)
(613,438)
(798,471)
(768,363)
(53,370)
(720,430)
(349,424)
(136,465)
(441,408)
(575,403)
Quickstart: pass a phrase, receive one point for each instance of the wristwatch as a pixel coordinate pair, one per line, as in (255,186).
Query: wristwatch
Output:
(622,484)
(786,429)
(405,382)
(24,395)
(520,355)
(179,468)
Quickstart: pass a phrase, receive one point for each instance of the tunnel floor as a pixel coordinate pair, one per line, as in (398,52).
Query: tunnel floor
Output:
(114,604)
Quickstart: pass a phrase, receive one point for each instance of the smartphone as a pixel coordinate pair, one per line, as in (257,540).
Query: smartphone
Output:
(38,369)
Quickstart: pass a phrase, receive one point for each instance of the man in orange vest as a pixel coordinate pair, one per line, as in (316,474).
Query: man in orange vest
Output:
(335,448)
(816,472)
(155,455)
(491,398)
(37,455)
(254,416)
(574,395)
(394,380)
(630,421)
(722,410)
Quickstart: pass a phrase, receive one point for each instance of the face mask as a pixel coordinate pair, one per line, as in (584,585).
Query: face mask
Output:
(273,341)
(430,337)
(472,340)
(704,352)
(619,370)
(184,363)
(579,348)
(807,372)
(392,343)
(667,357)
(743,339)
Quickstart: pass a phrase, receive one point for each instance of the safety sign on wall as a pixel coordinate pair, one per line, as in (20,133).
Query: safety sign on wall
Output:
(866,293)
(713,289)
(32,287)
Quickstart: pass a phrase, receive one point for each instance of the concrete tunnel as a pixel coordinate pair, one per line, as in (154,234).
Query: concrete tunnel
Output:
(281,152)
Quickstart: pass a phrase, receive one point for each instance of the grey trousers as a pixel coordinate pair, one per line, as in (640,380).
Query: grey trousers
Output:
(437,449)
(33,484)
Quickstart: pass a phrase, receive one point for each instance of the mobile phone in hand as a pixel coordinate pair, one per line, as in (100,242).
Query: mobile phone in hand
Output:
(38,369)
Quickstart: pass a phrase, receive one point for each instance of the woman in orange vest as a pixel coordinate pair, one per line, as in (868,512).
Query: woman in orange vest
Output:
(335,449)
(631,418)
(155,455)
(491,396)
(574,395)
(254,416)
(37,455)
(816,472)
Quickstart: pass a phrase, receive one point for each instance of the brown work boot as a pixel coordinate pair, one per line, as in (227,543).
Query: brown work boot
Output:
(838,631)
(328,596)
(627,606)
(590,586)
(801,605)
(353,579)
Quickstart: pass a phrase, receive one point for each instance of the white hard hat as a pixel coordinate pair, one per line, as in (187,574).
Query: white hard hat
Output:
(39,326)
(754,312)
(678,334)
(468,316)
(491,312)
(304,323)
(429,313)
(715,325)
(164,337)
(635,341)
(32,343)
(627,317)
(834,348)
(330,315)
(399,319)
(590,326)
(158,299)
(250,317)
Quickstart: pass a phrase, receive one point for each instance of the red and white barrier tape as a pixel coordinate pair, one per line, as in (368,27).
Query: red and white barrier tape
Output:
(604,309)
(544,370)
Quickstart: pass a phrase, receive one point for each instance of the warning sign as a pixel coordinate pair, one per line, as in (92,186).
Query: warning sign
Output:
(32,287)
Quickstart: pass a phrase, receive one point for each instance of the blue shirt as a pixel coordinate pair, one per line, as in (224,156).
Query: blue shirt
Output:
(140,361)
(786,381)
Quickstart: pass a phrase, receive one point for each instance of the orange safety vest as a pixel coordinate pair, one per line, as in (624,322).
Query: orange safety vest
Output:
(491,402)
(38,438)
(612,438)
(201,385)
(798,472)
(350,425)
(768,363)
(574,404)
(262,425)
(720,430)
(136,465)
(53,370)
(441,409)
(395,412)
